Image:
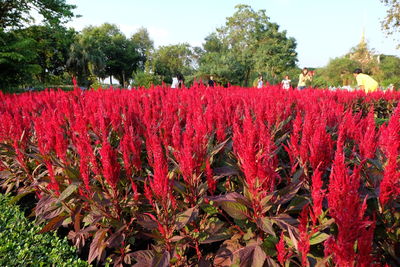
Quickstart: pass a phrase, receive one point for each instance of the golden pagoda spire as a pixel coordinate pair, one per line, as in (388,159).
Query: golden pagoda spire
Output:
(363,43)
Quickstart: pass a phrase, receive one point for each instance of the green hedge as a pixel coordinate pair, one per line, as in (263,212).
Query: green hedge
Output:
(21,245)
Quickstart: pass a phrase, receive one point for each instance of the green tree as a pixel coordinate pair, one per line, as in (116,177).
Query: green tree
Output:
(173,59)
(52,45)
(217,60)
(145,46)
(276,53)
(122,57)
(22,55)
(248,43)
(338,72)
(86,59)
(107,50)
(389,71)
(14,13)
(18,60)
(391,23)
(142,78)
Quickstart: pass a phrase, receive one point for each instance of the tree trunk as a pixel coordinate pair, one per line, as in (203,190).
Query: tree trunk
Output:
(123,79)
(246,78)
(110,79)
(43,76)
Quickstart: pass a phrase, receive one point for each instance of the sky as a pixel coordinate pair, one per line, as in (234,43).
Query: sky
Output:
(323,29)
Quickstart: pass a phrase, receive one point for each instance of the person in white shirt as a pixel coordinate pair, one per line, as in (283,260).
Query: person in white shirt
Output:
(286,82)
(175,82)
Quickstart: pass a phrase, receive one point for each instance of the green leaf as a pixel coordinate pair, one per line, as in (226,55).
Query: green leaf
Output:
(297,203)
(234,209)
(266,225)
(318,237)
(67,192)
(209,209)
(72,173)
(249,235)
(265,202)
(269,245)
(215,238)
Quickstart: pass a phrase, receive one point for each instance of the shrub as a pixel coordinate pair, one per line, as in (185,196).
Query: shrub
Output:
(21,245)
(145,79)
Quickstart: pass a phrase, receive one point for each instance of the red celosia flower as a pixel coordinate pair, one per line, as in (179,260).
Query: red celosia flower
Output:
(390,143)
(364,246)
(53,185)
(210,178)
(345,207)
(317,193)
(110,166)
(282,252)
(367,137)
(304,241)
(159,183)
(320,145)
(130,147)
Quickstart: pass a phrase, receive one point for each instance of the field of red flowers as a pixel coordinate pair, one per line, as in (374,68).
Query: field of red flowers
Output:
(214,177)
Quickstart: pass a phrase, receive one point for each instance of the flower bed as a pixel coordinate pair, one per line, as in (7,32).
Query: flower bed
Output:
(211,176)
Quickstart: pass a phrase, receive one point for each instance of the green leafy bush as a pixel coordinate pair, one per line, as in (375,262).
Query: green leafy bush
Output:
(145,79)
(21,245)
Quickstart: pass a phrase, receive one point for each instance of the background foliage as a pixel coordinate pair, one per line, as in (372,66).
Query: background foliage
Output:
(248,45)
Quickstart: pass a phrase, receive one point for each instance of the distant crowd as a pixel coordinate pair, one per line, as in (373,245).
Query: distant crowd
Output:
(364,82)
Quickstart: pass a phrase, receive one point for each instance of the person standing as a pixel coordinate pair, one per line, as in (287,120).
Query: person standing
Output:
(304,77)
(181,81)
(211,82)
(286,82)
(175,82)
(365,82)
(260,82)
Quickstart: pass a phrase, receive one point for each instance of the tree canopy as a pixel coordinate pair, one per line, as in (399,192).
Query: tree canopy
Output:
(248,44)
(172,60)
(104,51)
(391,23)
(18,60)
(16,13)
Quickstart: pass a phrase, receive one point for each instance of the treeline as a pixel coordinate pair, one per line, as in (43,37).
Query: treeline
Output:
(247,45)
(49,54)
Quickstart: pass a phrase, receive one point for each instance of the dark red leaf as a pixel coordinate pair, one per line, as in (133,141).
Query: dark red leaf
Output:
(98,245)
(143,258)
(53,223)
(252,256)
(161,260)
